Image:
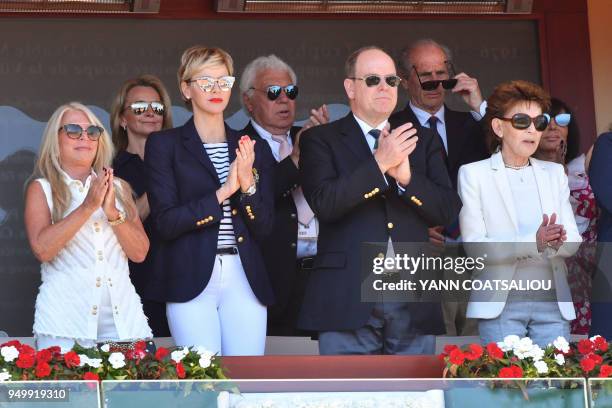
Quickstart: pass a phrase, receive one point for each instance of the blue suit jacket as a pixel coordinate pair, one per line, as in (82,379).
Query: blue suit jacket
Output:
(182,183)
(600,171)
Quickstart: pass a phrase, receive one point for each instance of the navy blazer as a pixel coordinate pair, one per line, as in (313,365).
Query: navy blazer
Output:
(355,204)
(182,183)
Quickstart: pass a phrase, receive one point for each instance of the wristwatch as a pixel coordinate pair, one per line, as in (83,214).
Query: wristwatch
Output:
(119,220)
(251,190)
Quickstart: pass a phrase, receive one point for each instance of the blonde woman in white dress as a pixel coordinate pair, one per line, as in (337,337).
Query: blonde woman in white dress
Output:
(82,225)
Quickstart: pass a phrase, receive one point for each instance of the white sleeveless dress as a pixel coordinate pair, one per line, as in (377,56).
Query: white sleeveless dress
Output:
(86,293)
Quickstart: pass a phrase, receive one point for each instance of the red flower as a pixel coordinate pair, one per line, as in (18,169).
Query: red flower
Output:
(587,364)
(42,370)
(72,359)
(494,351)
(25,360)
(605,371)
(601,344)
(585,346)
(55,350)
(180,370)
(511,372)
(140,346)
(597,359)
(44,356)
(456,357)
(161,353)
(449,347)
(13,343)
(474,352)
(91,376)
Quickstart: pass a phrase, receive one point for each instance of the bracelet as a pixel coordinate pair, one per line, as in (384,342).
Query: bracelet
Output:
(119,220)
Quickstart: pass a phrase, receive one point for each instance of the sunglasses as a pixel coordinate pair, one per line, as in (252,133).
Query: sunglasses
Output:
(523,121)
(433,84)
(75,131)
(274,91)
(207,84)
(140,107)
(373,80)
(562,119)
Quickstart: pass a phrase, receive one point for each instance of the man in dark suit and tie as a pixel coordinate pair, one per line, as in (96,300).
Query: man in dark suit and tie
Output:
(269,93)
(427,72)
(367,182)
(426,69)
(600,170)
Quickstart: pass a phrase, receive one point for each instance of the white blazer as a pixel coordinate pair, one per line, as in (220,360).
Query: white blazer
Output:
(489,216)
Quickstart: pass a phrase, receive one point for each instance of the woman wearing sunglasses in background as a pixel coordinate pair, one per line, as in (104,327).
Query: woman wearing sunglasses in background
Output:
(211,199)
(83,226)
(516,210)
(560,143)
(141,106)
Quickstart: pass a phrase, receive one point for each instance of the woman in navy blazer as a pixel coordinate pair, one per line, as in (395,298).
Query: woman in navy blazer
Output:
(210,193)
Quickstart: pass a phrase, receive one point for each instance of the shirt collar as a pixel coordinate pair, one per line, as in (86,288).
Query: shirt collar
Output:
(365,128)
(70,181)
(263,132)
(423,116)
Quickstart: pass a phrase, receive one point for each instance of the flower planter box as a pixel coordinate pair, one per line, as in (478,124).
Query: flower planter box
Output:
(512,398)
(160,398)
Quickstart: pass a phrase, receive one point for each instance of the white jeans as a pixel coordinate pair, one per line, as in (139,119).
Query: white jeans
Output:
(226,318)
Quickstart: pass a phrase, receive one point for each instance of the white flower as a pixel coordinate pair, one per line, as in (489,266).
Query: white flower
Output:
(83,360)
(560,359)
(204,361)
(9,353)
(536,353)
(4,376)
(105,348)
(509,342)
(178,355)
(561,344)
(117,360)
(94,362)
(541,367)
(522,349)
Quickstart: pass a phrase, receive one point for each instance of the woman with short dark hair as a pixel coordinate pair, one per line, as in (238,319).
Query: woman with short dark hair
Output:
(516,210)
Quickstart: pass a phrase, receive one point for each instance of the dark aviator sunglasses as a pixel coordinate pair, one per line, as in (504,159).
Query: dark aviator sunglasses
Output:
(273,92)
(432,85)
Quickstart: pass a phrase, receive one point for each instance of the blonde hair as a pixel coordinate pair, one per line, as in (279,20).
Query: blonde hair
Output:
(48,165)
(120,136)
(198,56)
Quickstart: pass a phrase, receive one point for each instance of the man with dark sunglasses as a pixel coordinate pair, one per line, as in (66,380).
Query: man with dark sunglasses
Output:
(269,95)
(368,182)
(428,74)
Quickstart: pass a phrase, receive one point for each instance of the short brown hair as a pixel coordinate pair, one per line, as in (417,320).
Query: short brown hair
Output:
(504,97)
(120,137)
(351,61)
(198,56)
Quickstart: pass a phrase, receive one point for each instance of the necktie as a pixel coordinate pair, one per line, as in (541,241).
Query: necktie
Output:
(375,133)
(433,125)
(284,149)
(305,214)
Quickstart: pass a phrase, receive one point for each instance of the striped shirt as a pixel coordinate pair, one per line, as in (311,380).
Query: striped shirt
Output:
(218,154)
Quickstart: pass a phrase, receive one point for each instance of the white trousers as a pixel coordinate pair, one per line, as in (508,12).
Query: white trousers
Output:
(226,318)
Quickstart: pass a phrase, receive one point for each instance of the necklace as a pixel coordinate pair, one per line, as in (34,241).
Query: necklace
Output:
(510,166)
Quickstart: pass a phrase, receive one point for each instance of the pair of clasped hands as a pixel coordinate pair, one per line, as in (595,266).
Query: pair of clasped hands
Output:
(394,149)
(550,234)
(240,175)
(102,194)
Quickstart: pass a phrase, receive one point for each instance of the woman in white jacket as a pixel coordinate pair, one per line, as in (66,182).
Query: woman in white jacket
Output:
(516,210)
